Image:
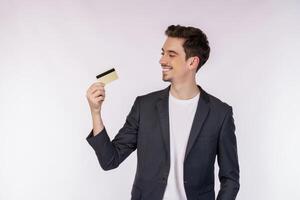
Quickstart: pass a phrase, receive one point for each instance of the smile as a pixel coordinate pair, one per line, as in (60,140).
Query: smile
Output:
(166,69)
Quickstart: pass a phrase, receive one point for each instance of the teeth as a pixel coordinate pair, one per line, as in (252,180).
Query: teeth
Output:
(166,69)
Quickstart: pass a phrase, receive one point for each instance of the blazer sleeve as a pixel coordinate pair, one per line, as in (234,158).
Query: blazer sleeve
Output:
(228,159)
(111,153)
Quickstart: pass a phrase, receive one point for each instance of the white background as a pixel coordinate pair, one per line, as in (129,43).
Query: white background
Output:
(51,51)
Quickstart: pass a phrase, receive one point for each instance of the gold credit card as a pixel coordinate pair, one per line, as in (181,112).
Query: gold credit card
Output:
(108,76)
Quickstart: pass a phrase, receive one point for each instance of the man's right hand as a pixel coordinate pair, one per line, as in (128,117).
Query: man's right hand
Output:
(95,96)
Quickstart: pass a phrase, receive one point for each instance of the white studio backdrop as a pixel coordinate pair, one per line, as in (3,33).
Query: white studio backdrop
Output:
(51,51)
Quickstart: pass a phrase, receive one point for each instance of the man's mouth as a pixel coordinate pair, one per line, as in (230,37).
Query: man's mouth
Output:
(166,69)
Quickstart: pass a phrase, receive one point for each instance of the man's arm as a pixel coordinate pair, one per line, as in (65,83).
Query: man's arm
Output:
(111,153)
(98,125)
(228,160)
(95,96)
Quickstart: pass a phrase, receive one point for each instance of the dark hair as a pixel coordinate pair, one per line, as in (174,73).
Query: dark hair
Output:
(196,43)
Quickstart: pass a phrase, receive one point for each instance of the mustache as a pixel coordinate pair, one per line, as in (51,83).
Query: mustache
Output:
(166,66)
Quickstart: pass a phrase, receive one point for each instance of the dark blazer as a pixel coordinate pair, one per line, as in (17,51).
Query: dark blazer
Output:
(147,130)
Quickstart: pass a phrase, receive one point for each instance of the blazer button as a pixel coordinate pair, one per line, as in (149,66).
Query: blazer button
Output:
(164,180)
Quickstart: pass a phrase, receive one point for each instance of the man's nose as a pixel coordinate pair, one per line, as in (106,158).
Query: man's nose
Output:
(162,61)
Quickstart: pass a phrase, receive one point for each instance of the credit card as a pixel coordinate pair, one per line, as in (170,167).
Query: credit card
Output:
(107,76)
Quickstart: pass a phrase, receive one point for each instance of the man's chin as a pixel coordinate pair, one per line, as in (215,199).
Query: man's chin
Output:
(166,79)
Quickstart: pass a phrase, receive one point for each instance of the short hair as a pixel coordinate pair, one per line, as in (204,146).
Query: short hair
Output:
(196,43)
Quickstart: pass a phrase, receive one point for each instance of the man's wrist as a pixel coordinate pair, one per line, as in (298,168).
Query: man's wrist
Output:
(96,112)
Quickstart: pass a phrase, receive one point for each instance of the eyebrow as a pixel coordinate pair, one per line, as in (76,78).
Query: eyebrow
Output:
(170,51)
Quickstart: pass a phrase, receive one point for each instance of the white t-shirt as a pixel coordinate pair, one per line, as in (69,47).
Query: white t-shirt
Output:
(181,116)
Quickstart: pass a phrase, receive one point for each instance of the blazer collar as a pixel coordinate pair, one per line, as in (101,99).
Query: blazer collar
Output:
(200,116)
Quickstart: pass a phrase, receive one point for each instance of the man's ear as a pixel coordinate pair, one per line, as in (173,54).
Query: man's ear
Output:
(194,62)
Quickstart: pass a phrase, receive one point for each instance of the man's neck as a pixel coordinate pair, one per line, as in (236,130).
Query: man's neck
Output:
(184,91)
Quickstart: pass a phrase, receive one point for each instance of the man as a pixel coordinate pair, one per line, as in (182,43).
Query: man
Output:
(178,131)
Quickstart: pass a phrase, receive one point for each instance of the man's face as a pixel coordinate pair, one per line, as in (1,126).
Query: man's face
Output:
(173,62)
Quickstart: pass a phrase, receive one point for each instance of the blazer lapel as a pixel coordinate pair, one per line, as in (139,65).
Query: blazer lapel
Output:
(200,116)
(163,114)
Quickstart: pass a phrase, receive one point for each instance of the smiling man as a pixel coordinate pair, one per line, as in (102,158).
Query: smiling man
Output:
(178,132)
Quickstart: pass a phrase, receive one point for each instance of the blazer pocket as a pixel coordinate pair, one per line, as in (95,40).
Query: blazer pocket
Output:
(207,138)
(206,189)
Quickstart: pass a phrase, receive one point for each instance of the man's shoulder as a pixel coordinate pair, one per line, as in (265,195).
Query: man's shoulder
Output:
(217,103)
(151,95)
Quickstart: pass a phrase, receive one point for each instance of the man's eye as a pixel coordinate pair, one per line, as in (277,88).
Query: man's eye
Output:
(171,55)
(162,53)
